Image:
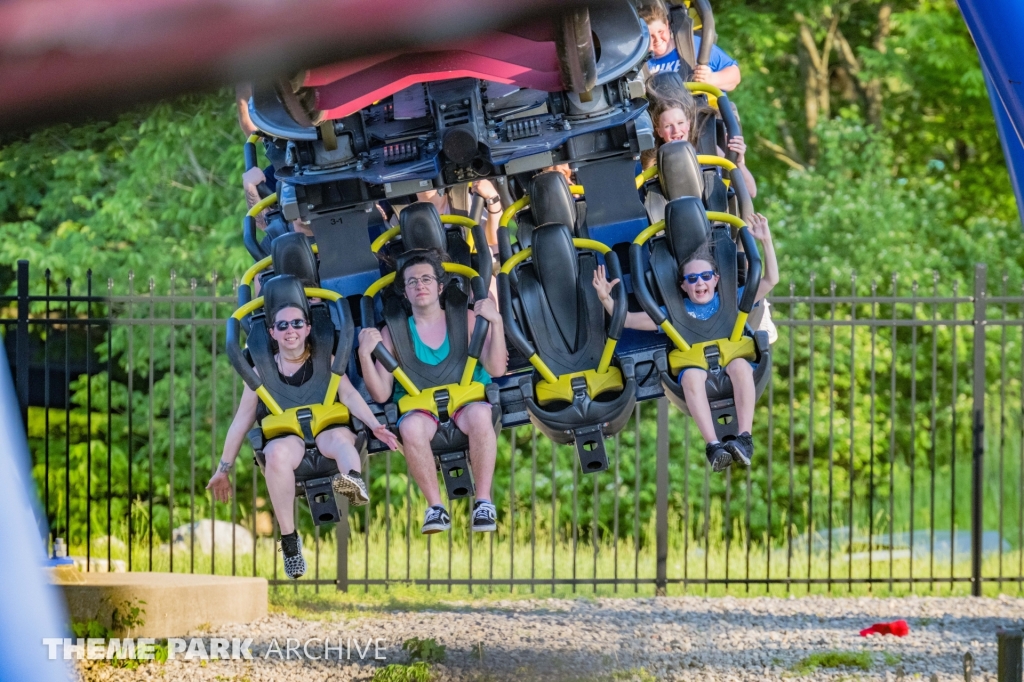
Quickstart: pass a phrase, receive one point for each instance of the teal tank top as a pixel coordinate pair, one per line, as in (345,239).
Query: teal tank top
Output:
(433,356)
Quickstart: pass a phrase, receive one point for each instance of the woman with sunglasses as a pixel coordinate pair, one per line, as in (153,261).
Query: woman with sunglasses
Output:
(698,278)
(294,360)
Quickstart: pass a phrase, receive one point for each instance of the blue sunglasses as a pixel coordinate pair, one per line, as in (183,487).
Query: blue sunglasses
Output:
(694,276)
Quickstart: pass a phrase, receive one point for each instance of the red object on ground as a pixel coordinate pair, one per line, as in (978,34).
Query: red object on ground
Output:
(896,627)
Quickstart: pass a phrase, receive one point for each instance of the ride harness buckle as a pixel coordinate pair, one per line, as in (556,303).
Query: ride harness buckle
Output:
(441,399)
(305,417)
(711,354)
(579,387)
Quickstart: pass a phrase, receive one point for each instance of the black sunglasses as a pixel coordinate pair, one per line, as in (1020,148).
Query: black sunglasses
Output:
(283,324)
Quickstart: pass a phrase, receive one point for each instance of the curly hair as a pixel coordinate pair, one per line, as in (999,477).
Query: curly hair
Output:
(432,257)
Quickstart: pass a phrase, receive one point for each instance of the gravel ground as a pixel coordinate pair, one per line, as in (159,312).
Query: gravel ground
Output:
(687,638)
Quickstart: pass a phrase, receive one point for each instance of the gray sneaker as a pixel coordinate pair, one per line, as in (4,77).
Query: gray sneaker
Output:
(719,458)
(741,449)
(352,486)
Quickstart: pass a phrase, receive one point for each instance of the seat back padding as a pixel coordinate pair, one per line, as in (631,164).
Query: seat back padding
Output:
(422,228)
(678,171)
(551,201)
(449,370)
(686,229)
(564,317)
(277,291)
(291,254)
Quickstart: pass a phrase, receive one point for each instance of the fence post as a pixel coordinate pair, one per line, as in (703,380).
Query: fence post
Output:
(661,519)
(341,533)
(21,355)
(1010,666)
(978,429)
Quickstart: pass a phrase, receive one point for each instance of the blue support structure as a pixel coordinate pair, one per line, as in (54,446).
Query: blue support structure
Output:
(997,27)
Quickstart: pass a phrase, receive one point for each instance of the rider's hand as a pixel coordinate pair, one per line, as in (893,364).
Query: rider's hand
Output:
(369,337)
(736,144)
(484,189)
(758,228)
(253,177)
(487,309)
(381,433)
(602,285)
(220,486)
(701,73)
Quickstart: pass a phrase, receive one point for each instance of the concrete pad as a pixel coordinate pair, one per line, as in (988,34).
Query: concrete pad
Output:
(175,602)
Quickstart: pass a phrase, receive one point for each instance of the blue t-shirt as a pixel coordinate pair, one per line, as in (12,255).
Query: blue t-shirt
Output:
(670,61)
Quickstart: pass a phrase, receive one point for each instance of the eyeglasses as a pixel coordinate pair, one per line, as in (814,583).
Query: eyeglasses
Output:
(295,324)
(425,280)
(694,276)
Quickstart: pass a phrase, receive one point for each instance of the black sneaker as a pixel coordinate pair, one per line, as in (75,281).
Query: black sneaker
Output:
(741,449)
(352,486)
(485,517)
(436,520)
(718,457)
(294,562)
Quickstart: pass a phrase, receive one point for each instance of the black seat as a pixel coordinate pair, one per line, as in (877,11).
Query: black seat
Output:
(680,175)
(579,392)
(441,389)
(303,410)
(713,343)
(421,227)
(551,201)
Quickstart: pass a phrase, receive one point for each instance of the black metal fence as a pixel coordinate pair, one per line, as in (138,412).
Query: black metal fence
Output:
(890,453)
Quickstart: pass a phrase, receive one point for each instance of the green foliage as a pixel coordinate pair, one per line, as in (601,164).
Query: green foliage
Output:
(397,672)
(834,659)
(427,650)
(128,615)
(92,629)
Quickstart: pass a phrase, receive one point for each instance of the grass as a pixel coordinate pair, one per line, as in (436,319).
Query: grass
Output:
(409,562)
(833,659)
(398,672)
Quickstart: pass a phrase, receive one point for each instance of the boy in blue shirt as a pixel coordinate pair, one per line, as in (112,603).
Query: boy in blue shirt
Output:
(698,279)
(722,70)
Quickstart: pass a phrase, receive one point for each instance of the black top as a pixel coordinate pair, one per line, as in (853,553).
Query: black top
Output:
(301,376)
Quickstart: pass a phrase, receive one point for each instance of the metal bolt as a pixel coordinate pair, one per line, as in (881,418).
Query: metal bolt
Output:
(442,107)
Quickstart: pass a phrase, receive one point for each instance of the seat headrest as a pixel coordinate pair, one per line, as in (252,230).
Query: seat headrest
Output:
(686,226)
(551,201)
(421,227)
(678,170)
(557,267)
(291,254)
(283,291)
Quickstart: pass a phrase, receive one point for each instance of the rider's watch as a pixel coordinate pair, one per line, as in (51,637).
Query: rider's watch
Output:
(493,200)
